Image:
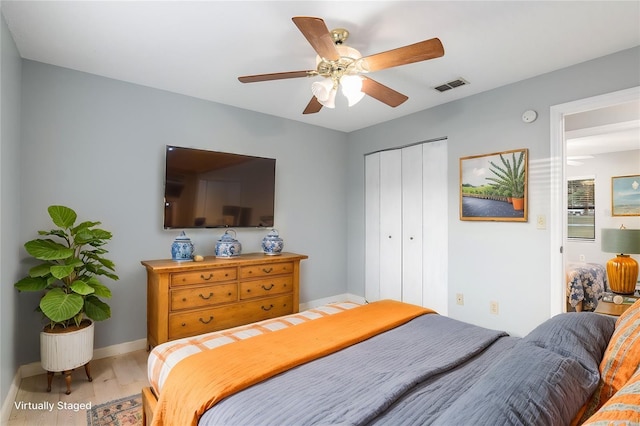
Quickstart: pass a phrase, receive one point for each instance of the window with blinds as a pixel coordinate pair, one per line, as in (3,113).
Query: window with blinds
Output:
(581,208)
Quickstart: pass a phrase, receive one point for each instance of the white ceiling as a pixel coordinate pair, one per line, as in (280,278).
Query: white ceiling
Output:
(199,48)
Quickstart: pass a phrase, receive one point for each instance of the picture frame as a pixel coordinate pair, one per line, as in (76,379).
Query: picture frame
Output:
(494,187)
(625,195)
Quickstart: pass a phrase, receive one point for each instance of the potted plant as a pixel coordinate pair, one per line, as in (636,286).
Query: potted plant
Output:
(510,177)
(71,260)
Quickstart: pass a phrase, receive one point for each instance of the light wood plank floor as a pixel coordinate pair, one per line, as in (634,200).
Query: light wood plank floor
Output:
(113,378)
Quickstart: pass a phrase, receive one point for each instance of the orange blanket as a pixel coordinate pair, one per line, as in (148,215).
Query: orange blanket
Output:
(198,382)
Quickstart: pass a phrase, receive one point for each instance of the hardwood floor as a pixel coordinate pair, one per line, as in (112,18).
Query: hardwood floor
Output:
(113,378)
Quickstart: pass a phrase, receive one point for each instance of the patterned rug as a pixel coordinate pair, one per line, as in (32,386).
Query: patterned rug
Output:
(121,412)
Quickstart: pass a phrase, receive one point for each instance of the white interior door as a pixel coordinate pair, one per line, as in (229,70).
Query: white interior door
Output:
(412,260)
(435,217)
(391,225)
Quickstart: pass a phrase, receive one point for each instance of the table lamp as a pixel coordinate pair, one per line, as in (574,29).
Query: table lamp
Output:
(622,270)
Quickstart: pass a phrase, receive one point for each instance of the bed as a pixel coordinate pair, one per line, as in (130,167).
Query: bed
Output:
(391,363)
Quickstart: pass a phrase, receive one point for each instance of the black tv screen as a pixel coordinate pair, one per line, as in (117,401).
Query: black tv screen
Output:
(209,189)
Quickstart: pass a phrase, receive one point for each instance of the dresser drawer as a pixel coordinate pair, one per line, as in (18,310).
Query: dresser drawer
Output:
(204,277)
(264,287)
(196,297)
(265,270)
(214,319)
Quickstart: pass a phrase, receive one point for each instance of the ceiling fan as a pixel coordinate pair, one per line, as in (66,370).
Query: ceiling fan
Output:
(343,66)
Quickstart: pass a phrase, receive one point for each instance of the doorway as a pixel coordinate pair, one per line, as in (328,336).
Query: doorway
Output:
(558,222)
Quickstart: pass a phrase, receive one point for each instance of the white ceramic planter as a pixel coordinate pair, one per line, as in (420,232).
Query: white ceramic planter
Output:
(66,351)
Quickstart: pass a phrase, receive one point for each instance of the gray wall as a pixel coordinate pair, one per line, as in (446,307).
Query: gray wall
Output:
(503,261)
(97,145)
(10,69)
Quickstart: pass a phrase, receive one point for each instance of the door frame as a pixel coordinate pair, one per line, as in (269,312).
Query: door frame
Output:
(558,196)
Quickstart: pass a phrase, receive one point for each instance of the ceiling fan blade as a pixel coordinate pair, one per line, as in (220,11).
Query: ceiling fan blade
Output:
(276,76)
(313,106)
(382,93)
(318,35)
(421,51)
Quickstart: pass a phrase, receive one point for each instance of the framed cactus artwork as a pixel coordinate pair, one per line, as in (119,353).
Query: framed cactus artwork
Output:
(493,187)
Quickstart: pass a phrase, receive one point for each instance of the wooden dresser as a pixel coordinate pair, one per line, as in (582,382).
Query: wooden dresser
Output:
(189,298)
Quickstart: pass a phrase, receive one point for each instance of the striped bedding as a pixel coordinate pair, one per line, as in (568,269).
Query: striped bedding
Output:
(165,356)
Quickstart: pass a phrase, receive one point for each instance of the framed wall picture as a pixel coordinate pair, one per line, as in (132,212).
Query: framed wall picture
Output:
(625,195)
(493,187)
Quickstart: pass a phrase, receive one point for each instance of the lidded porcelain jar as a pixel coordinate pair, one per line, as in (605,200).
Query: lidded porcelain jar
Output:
(182,248)
(228,246)
(272,244)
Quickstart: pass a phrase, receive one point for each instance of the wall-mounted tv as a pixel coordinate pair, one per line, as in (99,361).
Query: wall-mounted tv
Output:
(209,189)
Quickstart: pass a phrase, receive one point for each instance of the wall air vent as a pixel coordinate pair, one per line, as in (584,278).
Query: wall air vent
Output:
(451,85)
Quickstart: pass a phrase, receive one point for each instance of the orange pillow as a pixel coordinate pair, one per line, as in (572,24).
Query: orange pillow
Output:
(620,360)
(621,408)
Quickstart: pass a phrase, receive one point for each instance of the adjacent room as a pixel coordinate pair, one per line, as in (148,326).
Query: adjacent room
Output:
(319,183)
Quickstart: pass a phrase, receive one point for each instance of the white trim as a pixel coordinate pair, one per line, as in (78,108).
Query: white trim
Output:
(345,297)
(11,397)
(558,220)
(35,368)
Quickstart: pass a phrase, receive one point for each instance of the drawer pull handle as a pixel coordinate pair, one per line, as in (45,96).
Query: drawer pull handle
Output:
(267,309)
(206,322)
(206,298)
(206,278)
(270,287)
(184,299)
(267,270)
(184,324)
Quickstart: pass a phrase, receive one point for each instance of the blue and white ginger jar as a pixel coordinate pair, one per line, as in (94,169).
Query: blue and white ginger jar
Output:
(272,244)
(228,246)
(182,248)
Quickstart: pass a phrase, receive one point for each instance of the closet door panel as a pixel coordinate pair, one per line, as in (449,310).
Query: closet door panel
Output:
(412,224)
(435,219)
(372,227)
(390,225)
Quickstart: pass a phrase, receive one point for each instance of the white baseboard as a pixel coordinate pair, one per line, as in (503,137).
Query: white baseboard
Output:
(35,368)
(11,397)
(345,297)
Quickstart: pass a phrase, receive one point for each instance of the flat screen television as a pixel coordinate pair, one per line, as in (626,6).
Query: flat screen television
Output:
(209,189)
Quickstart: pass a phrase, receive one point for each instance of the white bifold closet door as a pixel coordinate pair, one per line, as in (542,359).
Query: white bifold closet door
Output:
(406,225)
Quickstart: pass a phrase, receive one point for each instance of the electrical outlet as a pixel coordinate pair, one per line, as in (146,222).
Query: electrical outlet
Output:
(581,257)
(493,307)
(459,299)
(541,222)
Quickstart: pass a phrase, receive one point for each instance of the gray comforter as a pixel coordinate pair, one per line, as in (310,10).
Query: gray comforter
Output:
(435,370)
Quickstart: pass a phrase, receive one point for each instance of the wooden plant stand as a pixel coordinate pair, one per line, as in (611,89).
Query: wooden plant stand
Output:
(67,377)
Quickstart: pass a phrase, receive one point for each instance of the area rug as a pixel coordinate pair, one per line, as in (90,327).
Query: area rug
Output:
(121,412)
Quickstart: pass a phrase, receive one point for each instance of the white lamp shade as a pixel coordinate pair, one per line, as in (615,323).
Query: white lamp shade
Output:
(352,88)
(322,89)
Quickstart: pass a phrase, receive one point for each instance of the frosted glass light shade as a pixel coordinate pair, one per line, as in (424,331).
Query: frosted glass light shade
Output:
(352,88)
(322,89)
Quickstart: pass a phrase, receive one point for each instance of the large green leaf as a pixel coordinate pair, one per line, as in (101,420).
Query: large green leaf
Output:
(47,250)
(59,306)
(41,270)
(61,271)
(31,284)
(81,287)
(96,309)
(62,216)
(100,289)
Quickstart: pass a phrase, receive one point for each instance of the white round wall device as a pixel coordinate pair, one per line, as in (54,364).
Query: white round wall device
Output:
(529,116)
